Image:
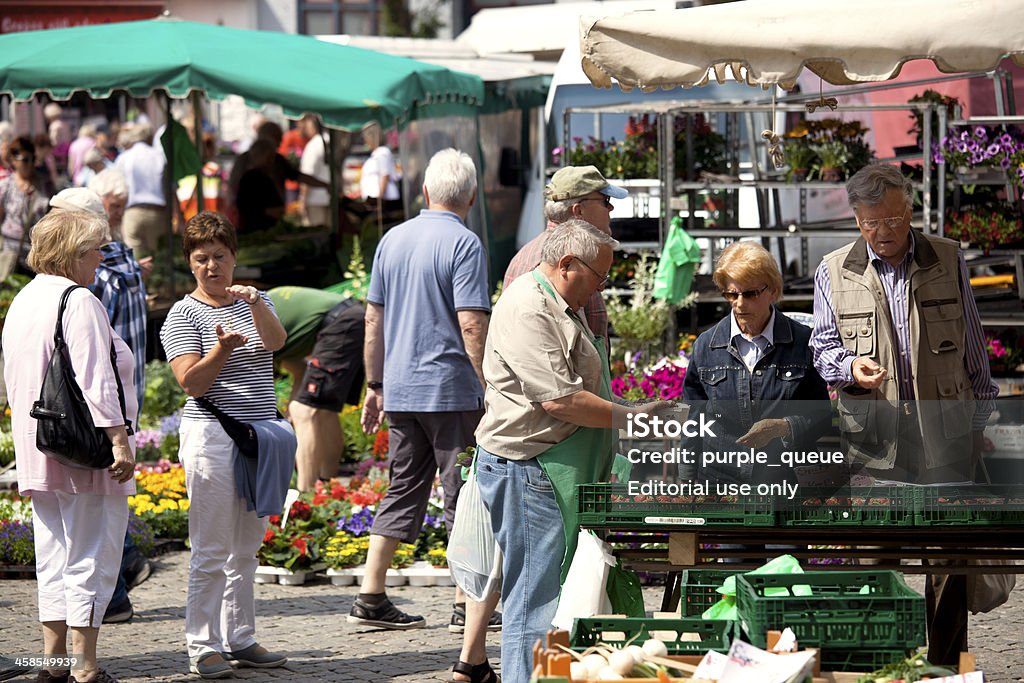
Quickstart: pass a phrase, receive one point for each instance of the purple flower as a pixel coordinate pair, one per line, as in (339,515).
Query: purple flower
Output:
(358,524)
(171,423)
(981,132)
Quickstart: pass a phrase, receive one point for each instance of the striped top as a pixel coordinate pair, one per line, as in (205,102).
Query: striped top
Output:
(835,362)
(244,389)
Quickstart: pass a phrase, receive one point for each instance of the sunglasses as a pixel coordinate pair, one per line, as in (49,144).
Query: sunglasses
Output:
(607,202)
(892,222)
(746,294)
(603,280)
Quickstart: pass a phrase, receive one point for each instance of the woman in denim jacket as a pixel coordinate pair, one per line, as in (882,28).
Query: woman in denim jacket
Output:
(753,374)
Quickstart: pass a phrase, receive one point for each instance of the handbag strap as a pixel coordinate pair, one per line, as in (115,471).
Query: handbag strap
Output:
(208,405)
(60,346)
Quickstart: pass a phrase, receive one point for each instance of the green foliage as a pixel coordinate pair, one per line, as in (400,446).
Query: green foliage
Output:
(358,444)
(142,534)
(169,446)
(9,288)
(283,389)
(935,97)
(640,322)
(6,448)
(163,394)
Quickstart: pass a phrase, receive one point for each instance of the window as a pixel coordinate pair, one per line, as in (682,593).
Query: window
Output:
(326,17)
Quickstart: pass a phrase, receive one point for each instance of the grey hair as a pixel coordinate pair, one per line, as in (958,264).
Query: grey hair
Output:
(450,178)
(559,212)
(138,132)
(109,181)
(574,237)
(869,185)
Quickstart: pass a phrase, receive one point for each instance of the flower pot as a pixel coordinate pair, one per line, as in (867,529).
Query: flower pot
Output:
(285,577)
(394,578)
(831,174)
(798,175)
(419,574)
(345,576)
(442,577)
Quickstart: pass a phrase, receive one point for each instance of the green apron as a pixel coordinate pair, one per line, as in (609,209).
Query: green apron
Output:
(583,458)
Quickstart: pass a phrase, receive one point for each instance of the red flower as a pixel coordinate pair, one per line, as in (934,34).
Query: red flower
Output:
(300,510)
(380,444)
(300,543)
(274,520)
(338,492)
(320,498)
(269,536)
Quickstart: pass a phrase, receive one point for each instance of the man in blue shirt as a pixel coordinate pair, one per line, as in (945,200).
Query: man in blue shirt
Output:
(426,322)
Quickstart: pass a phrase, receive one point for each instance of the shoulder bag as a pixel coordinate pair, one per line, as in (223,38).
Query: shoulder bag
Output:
(65,430)
(242,433)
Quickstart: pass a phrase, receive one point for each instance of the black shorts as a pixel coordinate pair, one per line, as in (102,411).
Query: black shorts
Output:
(334,371)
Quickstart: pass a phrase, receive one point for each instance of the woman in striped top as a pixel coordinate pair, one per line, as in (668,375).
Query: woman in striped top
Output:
(220,341)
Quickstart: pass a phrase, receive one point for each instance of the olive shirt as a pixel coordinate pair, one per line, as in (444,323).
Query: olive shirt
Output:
(535,352)
(301,310)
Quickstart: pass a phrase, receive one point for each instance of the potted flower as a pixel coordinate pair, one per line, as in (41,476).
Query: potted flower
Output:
(832,157)
(984,227)
(800,158)
(342,554)
(917,130)
(289,554)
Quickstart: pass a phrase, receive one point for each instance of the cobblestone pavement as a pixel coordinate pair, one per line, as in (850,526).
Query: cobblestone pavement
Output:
(308,624)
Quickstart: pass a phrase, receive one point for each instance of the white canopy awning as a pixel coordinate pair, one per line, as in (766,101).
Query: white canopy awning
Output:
(767,42)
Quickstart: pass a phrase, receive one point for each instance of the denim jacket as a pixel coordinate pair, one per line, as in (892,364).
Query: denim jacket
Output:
(783,384)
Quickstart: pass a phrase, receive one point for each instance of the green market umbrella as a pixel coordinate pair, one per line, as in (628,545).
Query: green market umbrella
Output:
(347,86)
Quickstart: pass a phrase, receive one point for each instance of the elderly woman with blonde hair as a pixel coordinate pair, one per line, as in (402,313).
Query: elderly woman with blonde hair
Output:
(79,515)
(753,371)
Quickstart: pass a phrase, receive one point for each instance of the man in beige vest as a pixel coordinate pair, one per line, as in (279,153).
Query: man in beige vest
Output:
(898,335)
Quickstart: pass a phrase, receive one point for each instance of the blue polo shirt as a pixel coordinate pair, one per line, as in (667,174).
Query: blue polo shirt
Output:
(425,271)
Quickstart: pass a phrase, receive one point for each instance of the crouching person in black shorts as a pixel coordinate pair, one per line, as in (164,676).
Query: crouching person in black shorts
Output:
(324,356)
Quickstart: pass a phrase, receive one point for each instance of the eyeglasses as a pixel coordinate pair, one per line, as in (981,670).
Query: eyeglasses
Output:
(746,294)
(892,222)
(602,279)
(21,156)
(607,202)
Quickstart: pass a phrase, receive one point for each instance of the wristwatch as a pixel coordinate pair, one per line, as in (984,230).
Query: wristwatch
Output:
(375,385)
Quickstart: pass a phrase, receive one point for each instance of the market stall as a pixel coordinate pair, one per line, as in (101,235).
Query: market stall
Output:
(347,87)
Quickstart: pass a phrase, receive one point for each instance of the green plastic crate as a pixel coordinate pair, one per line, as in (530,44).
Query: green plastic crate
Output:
(698,590)
(611,506)
(837,615)
(850,506)
(860,660)
(714,635)
(984,505)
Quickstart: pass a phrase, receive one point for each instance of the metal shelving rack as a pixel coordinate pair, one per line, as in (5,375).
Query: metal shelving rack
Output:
(748,155)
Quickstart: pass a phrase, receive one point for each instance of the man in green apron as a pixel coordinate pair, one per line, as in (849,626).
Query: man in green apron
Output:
(547,427)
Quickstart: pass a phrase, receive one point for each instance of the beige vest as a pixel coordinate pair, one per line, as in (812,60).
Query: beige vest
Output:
(869,420)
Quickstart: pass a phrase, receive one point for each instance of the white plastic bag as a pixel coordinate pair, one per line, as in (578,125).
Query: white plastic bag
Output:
(584,592)
(474,558)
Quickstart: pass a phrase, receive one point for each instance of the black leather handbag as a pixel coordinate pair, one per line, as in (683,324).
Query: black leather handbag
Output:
(65,430)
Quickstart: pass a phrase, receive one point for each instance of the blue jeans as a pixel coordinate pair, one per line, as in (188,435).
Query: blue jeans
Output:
(528,527)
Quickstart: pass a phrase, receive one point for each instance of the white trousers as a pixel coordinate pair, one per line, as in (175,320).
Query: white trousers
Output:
(220,611)
(79,538)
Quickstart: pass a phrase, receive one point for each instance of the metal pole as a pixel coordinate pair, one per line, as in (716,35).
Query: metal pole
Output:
(169,194)
(197,122)
(333,172)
